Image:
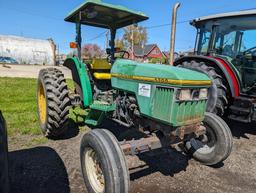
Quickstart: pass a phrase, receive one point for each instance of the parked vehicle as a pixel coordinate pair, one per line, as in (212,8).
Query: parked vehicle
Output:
(165,104)
(226,52)
(8,60)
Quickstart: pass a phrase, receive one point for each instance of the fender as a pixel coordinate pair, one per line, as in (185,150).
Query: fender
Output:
(81,79)
(229,73)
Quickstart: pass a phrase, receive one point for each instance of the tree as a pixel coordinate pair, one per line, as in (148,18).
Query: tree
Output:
(119,43)
(92,51)
(136,34)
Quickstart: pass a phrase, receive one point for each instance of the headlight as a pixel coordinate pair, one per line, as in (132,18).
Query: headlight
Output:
(203,93)
(192,94)
(184,95)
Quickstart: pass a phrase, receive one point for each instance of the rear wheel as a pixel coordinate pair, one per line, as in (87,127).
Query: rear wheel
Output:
(103,163)
(53,102)
(216,145)
(217,99)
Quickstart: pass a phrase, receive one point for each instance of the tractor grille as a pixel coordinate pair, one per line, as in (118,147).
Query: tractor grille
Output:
(189,112)
(163,103)
(165,107)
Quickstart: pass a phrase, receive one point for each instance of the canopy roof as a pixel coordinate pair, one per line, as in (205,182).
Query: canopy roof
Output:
(104,15)
(198,21)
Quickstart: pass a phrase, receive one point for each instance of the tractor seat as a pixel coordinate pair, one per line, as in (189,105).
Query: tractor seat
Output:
(101,69)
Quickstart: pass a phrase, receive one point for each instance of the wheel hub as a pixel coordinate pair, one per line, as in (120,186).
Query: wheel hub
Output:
(94,171)
(42,104)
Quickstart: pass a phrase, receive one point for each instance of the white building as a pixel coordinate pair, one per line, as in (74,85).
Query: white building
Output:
(27,50)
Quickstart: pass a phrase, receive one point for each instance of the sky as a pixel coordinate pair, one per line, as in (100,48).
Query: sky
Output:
(45,19)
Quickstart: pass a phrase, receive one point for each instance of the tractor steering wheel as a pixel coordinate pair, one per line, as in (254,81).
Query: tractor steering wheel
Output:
(249,51)
(125,53)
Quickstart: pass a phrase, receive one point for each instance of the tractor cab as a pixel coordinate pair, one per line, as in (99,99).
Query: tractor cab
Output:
(231,37)
(111,17)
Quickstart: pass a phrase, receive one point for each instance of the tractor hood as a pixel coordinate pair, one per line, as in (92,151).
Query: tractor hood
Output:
(158,73)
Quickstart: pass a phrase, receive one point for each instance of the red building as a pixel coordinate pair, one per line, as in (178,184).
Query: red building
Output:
(146,53)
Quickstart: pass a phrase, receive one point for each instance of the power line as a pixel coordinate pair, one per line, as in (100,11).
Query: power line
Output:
(98,36)
(167,24)
(147,27)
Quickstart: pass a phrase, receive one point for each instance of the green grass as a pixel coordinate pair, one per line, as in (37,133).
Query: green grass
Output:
(18,103)
(19,106)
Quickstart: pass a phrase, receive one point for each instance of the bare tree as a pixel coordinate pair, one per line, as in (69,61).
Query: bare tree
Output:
(135,35)
(92,51)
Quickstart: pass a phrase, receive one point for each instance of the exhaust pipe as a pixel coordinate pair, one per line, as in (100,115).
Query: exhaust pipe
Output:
(174,23)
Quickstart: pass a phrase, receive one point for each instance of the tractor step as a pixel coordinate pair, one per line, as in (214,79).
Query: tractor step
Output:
(102,106)
(241,110)
(243,119)
(91,122)
(98,112)
(95,117)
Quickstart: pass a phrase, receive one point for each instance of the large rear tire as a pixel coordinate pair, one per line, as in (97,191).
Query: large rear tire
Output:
(217,99)
(53,102)
(103,163)
(216,145)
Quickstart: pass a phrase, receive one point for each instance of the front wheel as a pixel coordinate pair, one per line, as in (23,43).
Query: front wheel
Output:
(216,145)
(103,163)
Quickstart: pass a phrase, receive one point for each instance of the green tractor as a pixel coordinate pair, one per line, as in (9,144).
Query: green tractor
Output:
(225,50)
(164,104)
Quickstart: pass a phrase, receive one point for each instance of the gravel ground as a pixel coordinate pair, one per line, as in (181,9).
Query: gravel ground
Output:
(55,168)
(27,71)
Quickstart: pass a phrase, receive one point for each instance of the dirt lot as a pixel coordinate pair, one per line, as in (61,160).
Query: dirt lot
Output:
(55,168)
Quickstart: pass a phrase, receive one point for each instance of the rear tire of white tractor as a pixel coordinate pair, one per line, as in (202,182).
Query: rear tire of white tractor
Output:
(216,145)
(103,163)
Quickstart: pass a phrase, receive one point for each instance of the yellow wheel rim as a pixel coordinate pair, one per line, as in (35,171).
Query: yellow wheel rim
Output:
(42,104)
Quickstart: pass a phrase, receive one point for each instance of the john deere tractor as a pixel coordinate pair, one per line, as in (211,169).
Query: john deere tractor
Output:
(164,105)
(226,51)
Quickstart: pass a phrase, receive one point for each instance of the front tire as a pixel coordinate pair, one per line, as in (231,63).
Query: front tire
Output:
(103,163)
(53,102)
(216,145)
